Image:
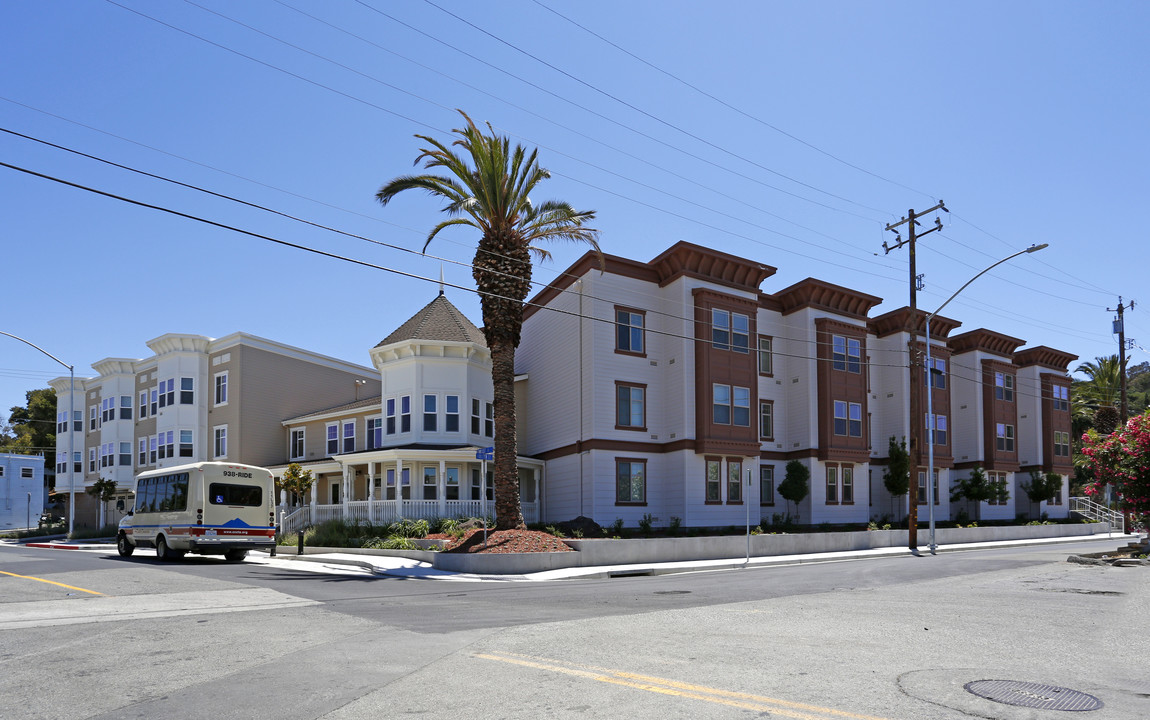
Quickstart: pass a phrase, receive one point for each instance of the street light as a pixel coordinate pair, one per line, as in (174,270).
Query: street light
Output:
(71,427)
(930,387)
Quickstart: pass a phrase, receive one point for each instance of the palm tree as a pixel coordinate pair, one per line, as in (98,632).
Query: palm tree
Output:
(1097,398)
(491,194)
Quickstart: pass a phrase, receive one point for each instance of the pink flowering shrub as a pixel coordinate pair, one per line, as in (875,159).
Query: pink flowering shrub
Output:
(1122,459)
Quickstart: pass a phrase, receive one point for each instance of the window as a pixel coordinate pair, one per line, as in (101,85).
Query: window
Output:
(125,407)
(741,412)
(922,491)
(186,449)
(840,417)
(107,455)
(349,436)
(740,333)
(152,444)
(143,404)
(832,484)
(629,331)
(1003,387)
(1057,498)
(630,408)
(187,393)
(766,420)
(332,439)
(405,414)
(476,418)
(391,416)
(721,404)
(220,441)
(61,423)
(838,352)
(766,361)
(78,459)
(93,417)
(855,420)
(429,413)
(92,459)
(936,374)
(766,484)
(221,388)
(107,410)
(78,420)
(451,414)
(939,429)
(451,482)
(735,481)
(720,329)
(296,446)
(714,481)
(997,480)
(848,480)
(854,355)
(630,482)
(1061,444)
(1004,437)
(167,393)
(475,485)
(152,402)
(143,456)
(1061,397)
(374,433)
(430,483)
(489,420)
(126,454)
(168,443)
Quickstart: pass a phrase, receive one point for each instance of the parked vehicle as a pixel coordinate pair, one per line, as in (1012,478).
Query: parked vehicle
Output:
(208,508)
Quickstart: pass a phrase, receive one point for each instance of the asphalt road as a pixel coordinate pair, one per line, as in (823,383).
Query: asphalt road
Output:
(881,638)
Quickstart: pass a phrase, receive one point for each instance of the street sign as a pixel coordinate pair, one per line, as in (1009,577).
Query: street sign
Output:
(487,453)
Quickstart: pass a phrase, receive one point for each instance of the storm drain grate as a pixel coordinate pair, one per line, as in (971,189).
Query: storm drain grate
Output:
(1033,695)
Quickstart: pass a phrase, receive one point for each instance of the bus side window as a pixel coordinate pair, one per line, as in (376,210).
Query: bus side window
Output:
(180,492)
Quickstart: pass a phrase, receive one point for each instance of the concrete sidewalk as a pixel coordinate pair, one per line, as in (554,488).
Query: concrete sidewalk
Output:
(400,567)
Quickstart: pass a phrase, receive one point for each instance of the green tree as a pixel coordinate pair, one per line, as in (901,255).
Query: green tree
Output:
(103,489)
(794,486)
(296,481)
(1042,486)
(978,489)
(896,477)
(1097,398)
(487,187)
(33,427)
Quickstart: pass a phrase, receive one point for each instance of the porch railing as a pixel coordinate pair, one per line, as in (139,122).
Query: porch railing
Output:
(1098,513)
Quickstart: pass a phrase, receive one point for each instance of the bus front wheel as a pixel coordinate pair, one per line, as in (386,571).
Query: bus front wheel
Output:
(235,555)
(124,547)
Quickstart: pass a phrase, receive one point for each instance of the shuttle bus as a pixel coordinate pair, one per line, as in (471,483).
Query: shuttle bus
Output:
(209,508)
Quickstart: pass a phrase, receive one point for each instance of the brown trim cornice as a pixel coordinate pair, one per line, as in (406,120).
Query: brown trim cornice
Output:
(1044,356)
(983,339)
(812,293)
(900,321)
(616,446)
(690,260)
(613,264)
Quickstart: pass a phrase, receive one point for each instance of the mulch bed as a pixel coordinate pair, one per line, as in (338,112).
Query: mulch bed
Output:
(504,541)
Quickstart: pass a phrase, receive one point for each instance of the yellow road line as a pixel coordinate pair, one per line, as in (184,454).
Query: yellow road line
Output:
(665,686)
(51,582)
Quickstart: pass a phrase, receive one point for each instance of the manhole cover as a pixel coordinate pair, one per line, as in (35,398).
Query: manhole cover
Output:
(1033,695)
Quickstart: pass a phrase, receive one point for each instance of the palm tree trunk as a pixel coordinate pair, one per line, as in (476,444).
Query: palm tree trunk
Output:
(508,515)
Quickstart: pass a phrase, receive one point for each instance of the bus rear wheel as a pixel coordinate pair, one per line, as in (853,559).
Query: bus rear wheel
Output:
(235,555)
(124,547)
(163,553)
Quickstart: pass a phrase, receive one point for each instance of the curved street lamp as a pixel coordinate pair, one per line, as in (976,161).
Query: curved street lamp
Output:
(70,426)
(930,386)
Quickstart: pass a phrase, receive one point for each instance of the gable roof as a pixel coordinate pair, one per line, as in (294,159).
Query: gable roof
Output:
(438,321)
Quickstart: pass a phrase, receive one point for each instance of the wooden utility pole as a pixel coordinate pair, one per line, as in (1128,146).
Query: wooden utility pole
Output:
(914,415)
(1120,329)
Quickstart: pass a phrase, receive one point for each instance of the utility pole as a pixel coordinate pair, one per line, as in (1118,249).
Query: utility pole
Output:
(1120,329)
(913,414)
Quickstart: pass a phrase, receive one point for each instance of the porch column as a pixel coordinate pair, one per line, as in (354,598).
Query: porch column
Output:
(314,495)
(347,472)
(371,493)
(399,488)
(441,490)
(537,477)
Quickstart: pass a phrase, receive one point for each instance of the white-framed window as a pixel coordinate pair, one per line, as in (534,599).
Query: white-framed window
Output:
(143,404)
(840,416)
(430,482)
(734,480)
(713,481)
(430,413)
(405,414)
(220,381)
(1061,397)
(721,404)
(630,481)
(766,420)
(477,485)
(740,333)
(1004,437)
(766,484)
(126,454)
(167,392)
(936,374)
(720,329)
(93,417)
(451,484)
(766,358)
(153,449)
(489,420)
(1061,444)
(61,422)
(476,416)
(922,490)
(168,444)
(629,331)
(847,473)
(107,409)
(107,454)
(349,436)
(630,406)
(846,354)
(332,439)
(832,485)
(187,391)
(296,445)
(91,460)
(186,446)
(741,407)
(451,413)
(390,415)
(143,454)
(1003,387)
(220,441)
(154,393)
(125,407)
(939,428)
(374,433)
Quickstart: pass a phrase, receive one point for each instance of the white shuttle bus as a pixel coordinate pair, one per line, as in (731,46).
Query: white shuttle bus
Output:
(209,508)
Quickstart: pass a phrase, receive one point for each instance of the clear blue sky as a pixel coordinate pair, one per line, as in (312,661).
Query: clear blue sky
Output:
(786,132)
